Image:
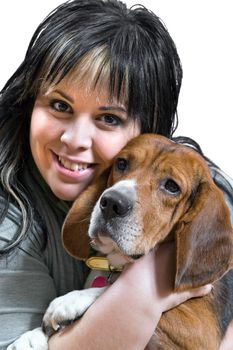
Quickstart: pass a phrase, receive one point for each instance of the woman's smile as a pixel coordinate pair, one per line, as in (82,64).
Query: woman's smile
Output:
(74,134)
(74,170)
(75,167)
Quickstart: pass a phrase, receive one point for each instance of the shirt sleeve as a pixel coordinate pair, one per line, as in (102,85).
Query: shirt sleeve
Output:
(26,287)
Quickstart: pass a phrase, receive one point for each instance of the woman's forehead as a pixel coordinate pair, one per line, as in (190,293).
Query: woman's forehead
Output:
(77,90)
(74,84)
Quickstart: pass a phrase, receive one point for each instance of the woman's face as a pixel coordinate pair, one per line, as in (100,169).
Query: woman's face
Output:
(74,133)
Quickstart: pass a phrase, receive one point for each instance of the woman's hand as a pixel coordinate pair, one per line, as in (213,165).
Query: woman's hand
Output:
(227,343)
(157,269)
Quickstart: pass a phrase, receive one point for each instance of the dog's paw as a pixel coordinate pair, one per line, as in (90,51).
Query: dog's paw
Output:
(31,340)
(63,310)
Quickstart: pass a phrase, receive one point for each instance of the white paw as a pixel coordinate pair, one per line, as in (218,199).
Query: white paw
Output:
(69,307)
(31,340)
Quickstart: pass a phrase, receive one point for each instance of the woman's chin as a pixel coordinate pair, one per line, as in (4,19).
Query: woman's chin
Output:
(68,192)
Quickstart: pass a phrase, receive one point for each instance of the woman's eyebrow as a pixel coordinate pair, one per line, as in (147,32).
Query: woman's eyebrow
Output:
(64,95)
(101,108)
(111,108)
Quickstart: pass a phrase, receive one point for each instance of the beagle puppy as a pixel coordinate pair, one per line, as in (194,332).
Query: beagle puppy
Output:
(157,191)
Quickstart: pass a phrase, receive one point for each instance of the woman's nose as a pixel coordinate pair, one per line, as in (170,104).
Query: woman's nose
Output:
(78,134)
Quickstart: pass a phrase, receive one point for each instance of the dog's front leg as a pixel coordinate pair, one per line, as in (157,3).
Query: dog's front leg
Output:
(31,340)
(63,310)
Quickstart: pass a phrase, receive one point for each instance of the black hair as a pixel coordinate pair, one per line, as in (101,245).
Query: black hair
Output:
(140,56)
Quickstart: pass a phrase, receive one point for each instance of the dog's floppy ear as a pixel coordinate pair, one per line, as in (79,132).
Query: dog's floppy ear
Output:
(204,240)
(74,231)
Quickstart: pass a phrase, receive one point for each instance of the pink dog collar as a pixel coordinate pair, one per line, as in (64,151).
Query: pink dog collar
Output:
(99,282)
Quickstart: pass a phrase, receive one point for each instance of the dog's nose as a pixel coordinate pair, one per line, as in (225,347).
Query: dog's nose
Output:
(113,203)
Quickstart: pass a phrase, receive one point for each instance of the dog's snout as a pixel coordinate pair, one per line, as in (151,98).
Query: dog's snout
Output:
(114,203)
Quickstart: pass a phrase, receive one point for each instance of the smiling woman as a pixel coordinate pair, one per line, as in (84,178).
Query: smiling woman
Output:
(71,105)
(95,75)
(81,123)
(204,76)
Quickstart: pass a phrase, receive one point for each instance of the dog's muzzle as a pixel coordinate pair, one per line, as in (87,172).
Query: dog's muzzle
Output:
(114,225)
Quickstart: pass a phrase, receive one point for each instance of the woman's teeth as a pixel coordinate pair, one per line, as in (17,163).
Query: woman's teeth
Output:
(73,166)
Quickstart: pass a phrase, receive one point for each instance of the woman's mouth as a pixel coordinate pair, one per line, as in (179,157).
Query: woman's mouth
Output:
(71,170)
(75,167)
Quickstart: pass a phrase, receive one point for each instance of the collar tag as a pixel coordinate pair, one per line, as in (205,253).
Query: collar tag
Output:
(102,264)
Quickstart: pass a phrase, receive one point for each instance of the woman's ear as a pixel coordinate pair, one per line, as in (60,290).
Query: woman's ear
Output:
(75,228)
(204,240)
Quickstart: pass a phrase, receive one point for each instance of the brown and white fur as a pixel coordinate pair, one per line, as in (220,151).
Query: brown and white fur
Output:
(158,190)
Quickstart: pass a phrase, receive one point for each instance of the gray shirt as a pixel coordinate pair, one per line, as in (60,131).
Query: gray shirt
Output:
(38,270)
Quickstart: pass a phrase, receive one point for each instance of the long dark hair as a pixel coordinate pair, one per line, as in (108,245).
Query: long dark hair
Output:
(131,45)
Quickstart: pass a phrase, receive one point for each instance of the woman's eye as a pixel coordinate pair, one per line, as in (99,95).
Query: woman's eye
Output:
(110,119)
(60,106)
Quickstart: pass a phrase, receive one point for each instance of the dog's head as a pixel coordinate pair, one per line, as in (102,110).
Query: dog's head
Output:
(156,190)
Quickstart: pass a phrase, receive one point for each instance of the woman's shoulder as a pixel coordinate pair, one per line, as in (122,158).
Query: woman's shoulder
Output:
(225,183)
(222,180)
(10,224)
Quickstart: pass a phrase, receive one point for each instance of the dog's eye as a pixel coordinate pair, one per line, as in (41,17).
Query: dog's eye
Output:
(171,186)
(122,164)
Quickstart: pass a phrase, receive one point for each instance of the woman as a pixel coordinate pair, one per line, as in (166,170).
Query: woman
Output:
(94,76)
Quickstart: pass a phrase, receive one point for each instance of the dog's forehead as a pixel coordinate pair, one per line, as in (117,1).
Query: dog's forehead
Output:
(156,151)
(150,145)
(146,147)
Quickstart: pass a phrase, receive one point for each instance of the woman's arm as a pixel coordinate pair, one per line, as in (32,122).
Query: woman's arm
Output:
(228,338)
(26,287)
(126,315)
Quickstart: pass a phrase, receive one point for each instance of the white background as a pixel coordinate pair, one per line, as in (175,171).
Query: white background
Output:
(203,33)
